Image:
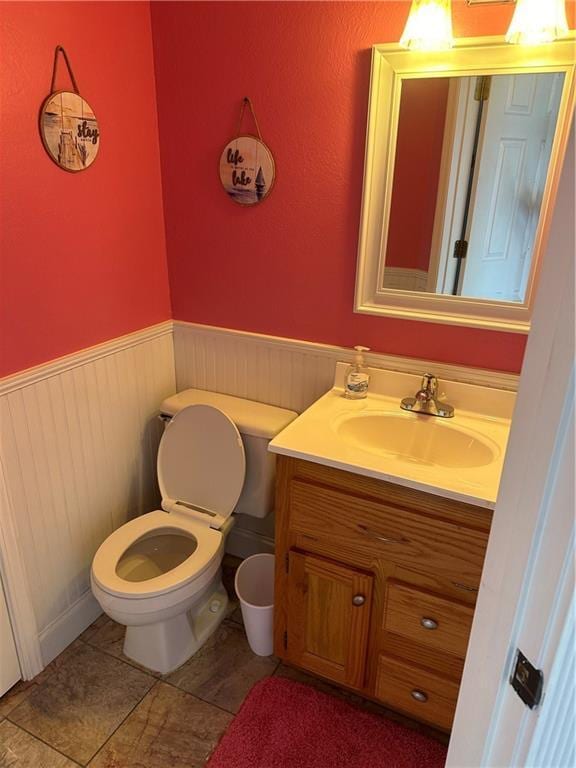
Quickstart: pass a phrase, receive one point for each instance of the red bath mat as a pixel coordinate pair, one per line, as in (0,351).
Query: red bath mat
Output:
(283,724)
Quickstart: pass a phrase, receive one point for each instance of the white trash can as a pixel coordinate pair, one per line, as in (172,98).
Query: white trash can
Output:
(254,584)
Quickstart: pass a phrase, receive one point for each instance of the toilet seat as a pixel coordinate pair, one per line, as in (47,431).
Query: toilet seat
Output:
(209,544)
(201,469)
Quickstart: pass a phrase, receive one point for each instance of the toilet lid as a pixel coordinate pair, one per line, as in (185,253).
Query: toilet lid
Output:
(201,460)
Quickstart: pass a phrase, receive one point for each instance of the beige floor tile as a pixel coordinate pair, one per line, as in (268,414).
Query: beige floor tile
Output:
(15,696)
(79,706)
(105,635)
(24,688)
(20,750)
(58,662)
(108,636)
(94,627)
(224,669)
(168,729)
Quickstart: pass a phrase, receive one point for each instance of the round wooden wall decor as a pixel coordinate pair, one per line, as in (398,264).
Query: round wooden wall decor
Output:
(69,131)
(247,170)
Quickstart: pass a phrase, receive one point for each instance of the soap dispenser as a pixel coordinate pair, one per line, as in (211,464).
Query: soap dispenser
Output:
(357,376)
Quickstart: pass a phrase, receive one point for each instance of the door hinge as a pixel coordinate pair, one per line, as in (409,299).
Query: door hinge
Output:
(285,639)
(482,91)
(460,249)
(287,562)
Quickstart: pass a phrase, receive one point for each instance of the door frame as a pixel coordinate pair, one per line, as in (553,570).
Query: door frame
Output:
(545,390)
(457,143)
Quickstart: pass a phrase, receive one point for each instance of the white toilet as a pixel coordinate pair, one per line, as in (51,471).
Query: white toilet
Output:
(160,574)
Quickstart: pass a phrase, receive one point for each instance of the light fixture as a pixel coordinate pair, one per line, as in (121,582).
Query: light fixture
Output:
(537,21)
(429,26)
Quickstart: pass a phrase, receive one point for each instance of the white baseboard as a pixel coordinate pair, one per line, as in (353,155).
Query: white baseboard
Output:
(67,627)
(242,543)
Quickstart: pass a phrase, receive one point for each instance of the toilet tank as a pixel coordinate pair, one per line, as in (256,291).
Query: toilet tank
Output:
(257,423)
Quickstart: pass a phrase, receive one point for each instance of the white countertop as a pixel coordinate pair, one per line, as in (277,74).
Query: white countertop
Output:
(315,436)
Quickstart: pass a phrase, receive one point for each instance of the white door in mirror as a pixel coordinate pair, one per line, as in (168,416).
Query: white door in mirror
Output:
(513,165)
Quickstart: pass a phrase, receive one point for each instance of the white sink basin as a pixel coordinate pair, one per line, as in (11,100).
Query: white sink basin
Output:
(460,458)
(416,439)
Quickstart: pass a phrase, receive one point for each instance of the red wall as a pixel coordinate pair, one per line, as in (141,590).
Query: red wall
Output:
(416,172)
(286,267)
(82,256)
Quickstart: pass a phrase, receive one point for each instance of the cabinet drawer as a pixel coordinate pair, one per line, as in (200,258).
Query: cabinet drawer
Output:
(429,619)
(448,550)
(417,692)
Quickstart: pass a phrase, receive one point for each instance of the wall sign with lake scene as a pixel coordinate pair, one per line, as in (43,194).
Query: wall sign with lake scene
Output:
(69,131)
(247,170)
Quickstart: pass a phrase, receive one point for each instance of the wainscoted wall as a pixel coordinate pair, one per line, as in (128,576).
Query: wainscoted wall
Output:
(283,372)
(280,372)
(80,437)
(78,451)
(287,372)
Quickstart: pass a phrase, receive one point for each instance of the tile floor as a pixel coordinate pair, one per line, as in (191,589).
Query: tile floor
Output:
(93,707)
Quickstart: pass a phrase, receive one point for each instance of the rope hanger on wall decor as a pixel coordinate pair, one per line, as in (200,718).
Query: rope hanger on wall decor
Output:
(246,102)
(247,169)
(68,126)
(60,50)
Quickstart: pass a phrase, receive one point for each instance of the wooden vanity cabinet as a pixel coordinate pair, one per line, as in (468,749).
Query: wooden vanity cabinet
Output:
(376,585)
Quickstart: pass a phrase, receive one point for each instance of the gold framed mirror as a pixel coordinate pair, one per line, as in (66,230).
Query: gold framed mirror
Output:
(463,154)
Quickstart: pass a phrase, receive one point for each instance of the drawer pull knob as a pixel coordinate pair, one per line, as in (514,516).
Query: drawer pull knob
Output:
(419,696)
(465,587)
(358,600)
(428,623)
(387,539)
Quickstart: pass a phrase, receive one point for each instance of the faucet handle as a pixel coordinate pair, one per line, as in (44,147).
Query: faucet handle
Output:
(429,383)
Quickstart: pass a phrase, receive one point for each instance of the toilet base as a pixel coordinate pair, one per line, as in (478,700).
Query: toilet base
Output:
(166,645)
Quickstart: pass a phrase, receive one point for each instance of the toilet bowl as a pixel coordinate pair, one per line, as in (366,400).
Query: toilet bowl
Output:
(144,578)
(160,574)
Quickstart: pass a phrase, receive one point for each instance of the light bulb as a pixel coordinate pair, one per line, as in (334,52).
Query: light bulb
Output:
(429,26)
(537,21)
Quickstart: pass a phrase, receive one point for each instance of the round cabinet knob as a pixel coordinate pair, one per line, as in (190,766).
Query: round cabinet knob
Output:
(419,696)
(428,623)
(358,600)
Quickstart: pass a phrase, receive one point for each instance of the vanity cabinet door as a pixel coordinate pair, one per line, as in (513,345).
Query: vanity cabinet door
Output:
(328,618)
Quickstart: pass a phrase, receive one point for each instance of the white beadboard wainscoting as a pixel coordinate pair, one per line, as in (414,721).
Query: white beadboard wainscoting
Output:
(78,448)
(287,373)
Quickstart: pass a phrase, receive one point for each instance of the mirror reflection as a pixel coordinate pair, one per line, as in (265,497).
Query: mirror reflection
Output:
(472,156)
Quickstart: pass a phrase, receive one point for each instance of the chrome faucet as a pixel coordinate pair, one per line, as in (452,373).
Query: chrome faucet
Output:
(426,399)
